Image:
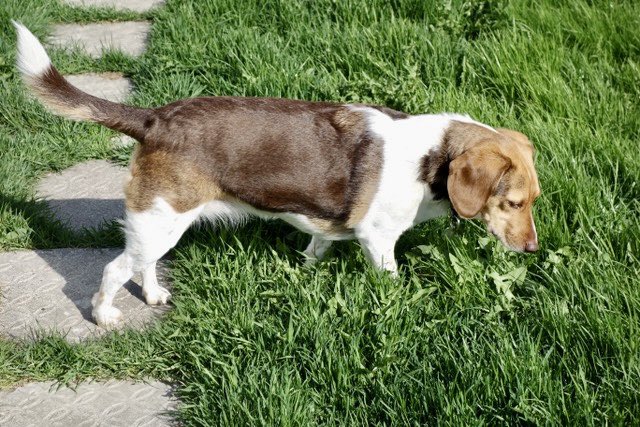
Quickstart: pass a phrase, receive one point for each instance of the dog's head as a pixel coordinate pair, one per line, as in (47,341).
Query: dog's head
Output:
(496,180)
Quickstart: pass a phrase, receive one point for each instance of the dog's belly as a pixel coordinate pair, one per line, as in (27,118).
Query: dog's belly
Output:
(235,212)
(321,228)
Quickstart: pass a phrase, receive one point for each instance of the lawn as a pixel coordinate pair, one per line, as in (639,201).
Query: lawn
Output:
(470,334)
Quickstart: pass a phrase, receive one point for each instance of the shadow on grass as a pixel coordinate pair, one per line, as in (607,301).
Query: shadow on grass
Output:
(45,231)
(87,213)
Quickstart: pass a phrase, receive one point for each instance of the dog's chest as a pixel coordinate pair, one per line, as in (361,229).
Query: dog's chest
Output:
(429,209)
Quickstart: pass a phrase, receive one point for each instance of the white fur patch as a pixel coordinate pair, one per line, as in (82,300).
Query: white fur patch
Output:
(230,213)
(150,234)
(402,199)
(32,60)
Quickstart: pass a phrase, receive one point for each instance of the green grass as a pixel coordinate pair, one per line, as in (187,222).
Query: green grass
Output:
(470,334)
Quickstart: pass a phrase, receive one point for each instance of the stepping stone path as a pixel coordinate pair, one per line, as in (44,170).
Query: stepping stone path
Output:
(93,39)
(134,5)
(86,195)
(111,403)
(122,141)
(50,290)
(111,86)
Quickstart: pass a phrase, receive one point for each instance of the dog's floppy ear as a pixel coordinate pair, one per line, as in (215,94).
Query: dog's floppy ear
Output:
(474,175)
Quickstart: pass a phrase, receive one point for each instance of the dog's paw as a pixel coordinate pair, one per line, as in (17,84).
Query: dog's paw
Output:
(310,260)
(107,317)
(157,295)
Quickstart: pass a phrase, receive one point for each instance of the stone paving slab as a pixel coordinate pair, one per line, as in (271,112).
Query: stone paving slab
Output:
(85,195)
(52,290)
(129,37)
(111,403)
(134,5)
(111,86)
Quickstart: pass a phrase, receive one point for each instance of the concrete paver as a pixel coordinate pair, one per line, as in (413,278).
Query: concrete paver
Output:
(129,37)
(134,5)
(111,403)
(111,86)
(85,195)
(47,290)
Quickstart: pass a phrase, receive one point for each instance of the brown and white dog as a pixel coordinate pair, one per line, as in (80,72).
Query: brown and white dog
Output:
(334,171)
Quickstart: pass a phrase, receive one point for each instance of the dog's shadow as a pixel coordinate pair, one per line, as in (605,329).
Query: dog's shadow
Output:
(81,271)
(86,214)
(76,261)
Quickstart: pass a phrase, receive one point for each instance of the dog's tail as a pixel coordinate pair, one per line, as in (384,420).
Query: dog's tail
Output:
(56,93)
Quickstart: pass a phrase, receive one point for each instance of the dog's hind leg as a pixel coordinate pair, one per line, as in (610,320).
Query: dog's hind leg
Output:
(149,235)
(153,293)
(115,274)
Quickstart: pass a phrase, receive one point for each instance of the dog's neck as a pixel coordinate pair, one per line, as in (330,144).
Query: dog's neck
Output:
(457,138)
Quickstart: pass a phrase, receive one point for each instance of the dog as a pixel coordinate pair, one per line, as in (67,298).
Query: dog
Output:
(335,171)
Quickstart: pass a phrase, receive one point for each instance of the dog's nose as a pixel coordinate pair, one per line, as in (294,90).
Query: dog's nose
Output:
(531,246)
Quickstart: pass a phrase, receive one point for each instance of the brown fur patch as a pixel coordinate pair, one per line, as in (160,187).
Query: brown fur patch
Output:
(165,174)
(55,93)
(518,137)
(490,174)
(365,177)
(529,152)
(474,176)
(395,115)
(279,155)
(315,159)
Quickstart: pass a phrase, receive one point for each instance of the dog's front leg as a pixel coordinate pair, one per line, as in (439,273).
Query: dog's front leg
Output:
(316,250)
(379,250)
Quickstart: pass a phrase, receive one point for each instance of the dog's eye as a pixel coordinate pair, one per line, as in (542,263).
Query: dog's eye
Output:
(514,205)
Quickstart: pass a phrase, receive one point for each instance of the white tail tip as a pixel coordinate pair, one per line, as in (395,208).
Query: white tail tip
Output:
(32,60)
